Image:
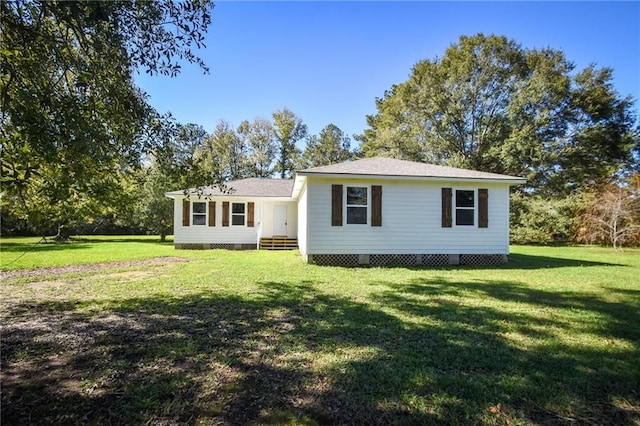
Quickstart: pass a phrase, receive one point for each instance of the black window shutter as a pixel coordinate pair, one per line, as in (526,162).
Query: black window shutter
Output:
(376,205)
(336,205)
(483,208)
(212,213)
(250,214)
(225,213)
(186,212)
(447,199)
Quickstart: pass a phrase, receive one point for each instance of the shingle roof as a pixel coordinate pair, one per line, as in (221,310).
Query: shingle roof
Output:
(380,166)
(250,187)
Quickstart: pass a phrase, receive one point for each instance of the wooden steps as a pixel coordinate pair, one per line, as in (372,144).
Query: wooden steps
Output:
(278,243)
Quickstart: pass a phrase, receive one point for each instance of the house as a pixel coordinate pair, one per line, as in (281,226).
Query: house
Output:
(374,211)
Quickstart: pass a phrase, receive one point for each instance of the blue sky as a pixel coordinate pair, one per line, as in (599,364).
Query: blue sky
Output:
(328,61)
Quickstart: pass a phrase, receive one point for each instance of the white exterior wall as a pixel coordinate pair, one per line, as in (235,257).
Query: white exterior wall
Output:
(302,221)
(267,218)
(204,234)
(411,220)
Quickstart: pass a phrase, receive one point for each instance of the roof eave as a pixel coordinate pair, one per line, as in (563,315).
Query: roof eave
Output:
(298,184)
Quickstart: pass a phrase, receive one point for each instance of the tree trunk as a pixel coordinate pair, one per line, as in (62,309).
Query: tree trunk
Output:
(64,233)
(163,237)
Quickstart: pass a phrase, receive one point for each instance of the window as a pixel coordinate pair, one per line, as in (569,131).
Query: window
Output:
(465,207)
(199,213)
(237,214)
(357,202)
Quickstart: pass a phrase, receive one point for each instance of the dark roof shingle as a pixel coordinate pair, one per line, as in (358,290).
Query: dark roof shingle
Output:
(380,166)
(250,187)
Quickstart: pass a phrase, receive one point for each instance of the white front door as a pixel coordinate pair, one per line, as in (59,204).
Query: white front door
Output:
(280,219)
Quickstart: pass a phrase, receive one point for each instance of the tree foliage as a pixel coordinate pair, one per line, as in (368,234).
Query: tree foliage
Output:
(600,138)
(72,119)
(330,147)
(489,104)
(259,136)
(154,211)
(539,220)
(171,166)
(223,155)
(289,129)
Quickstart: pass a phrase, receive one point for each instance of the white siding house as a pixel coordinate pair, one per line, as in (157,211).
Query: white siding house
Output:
(237,217)
(376,211)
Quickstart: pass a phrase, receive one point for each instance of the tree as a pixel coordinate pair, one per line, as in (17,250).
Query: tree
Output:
(223,156)
(457,106)
(332,146)
(80,202)
(613,217)
(70,113)
(176,155)
(289,129)
(259,136)
(600,136)
(154,210)
(391,134)
(488,104)
(170,167)
(541,220)
(188,138)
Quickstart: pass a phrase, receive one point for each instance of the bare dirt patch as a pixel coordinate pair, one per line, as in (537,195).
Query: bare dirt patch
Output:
(42,272)
(128,275)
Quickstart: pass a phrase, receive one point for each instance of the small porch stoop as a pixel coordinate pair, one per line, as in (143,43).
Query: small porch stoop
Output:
(278,243)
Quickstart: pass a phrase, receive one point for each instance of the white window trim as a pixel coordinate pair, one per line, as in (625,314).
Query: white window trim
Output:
(475,207)
(231,214)
(345,205)
(206,213)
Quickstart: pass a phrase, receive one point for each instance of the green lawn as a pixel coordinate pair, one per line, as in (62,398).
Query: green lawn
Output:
(222,337)
(80,251)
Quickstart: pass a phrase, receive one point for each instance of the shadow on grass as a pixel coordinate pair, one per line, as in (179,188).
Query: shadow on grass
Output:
(292,353)
(119,239)
(516,261)
(74,244)
(527,261)
(9,247)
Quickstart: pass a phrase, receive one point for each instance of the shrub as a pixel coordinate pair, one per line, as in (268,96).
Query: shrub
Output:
(537,220)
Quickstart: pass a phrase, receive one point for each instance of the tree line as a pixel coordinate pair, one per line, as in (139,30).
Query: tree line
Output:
(268,148)
(82,147)
(489,104)
(262,148)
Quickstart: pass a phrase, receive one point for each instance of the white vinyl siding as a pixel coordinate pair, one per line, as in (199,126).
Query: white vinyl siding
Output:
(302,221)
(236,233)
(267,217)
(214,234)
(411,212)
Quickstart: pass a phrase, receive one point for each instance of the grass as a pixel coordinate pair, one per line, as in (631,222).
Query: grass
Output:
(222,337)
(30,252)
